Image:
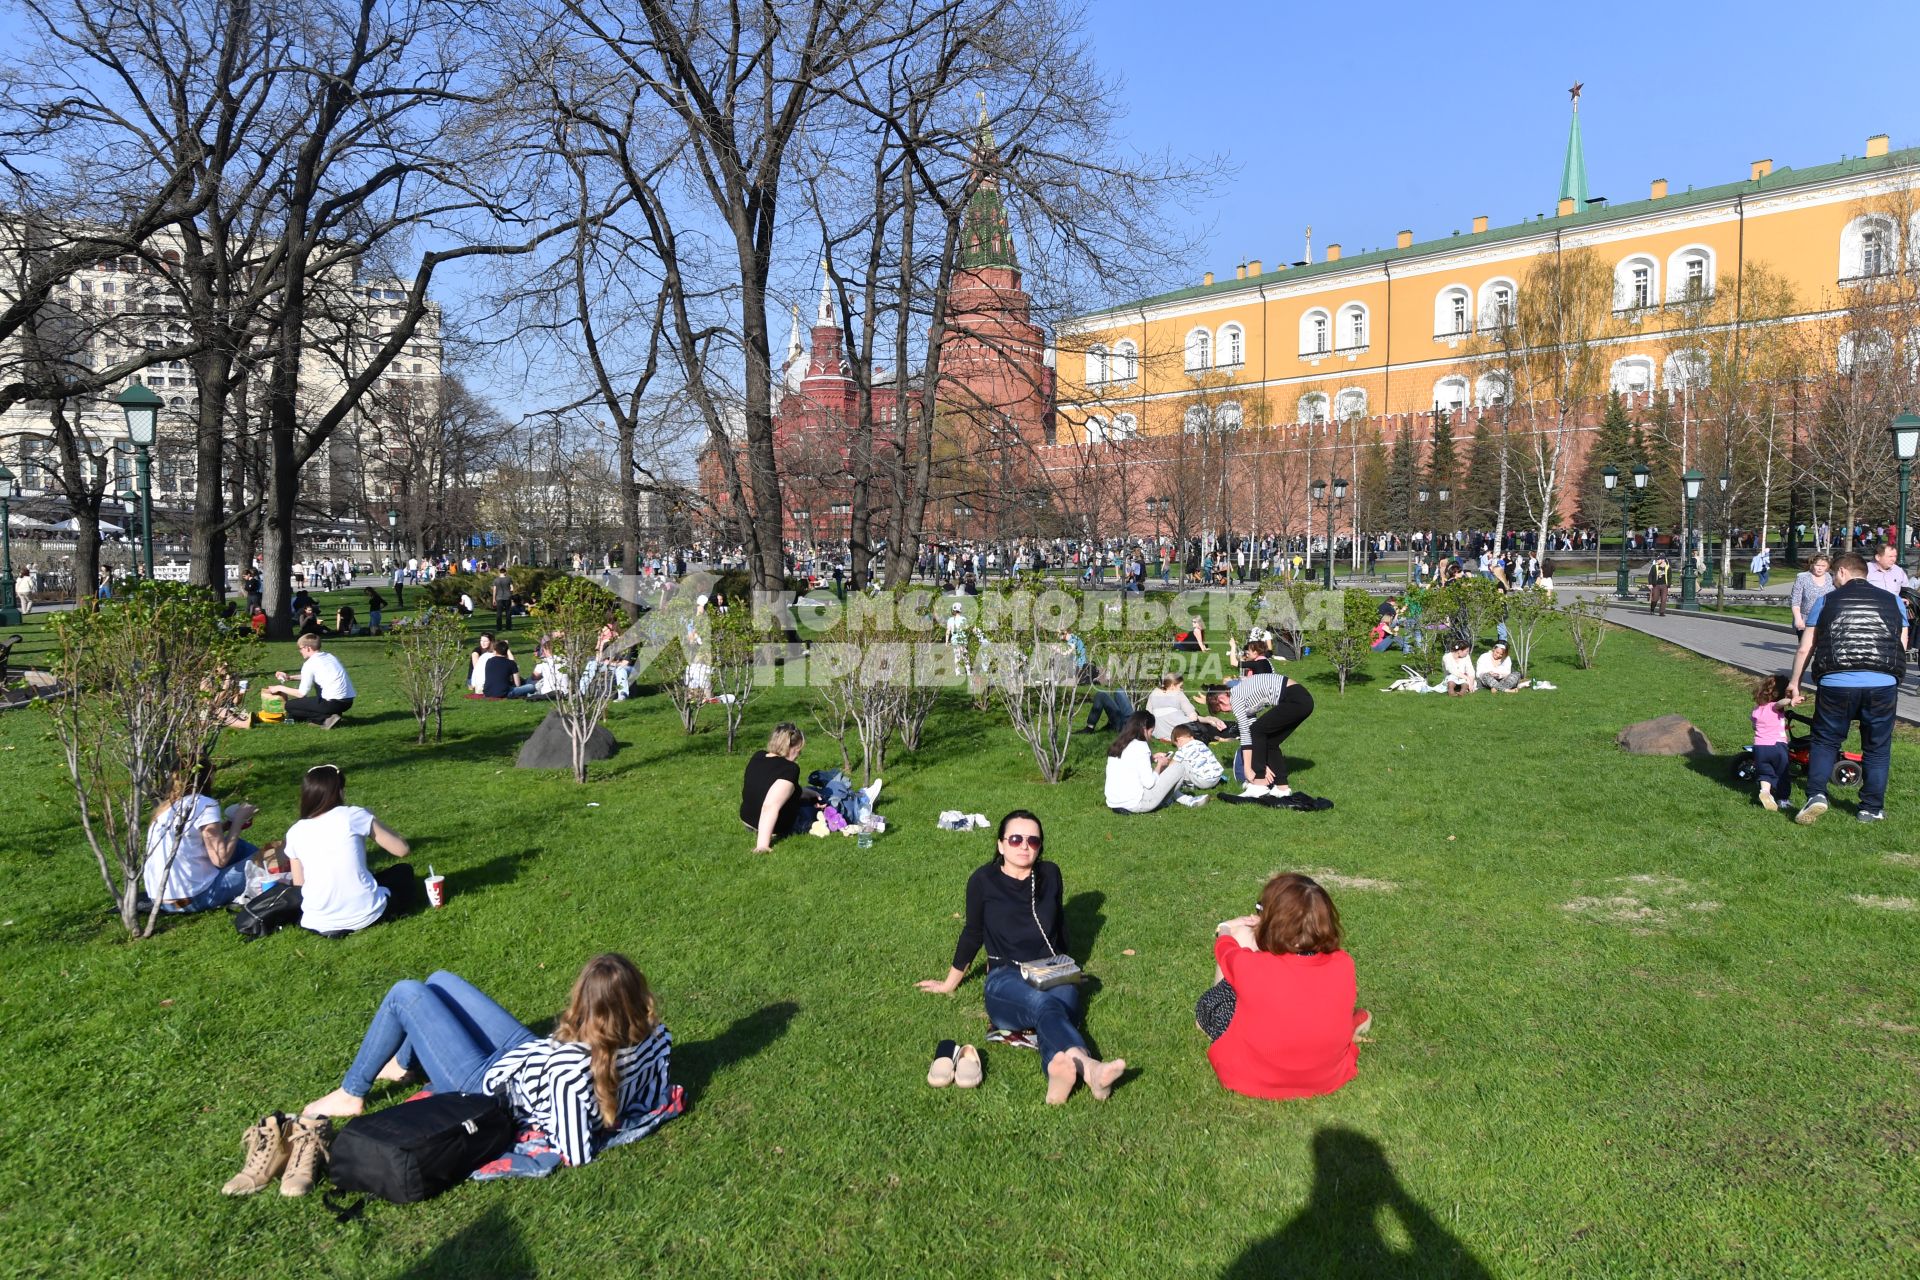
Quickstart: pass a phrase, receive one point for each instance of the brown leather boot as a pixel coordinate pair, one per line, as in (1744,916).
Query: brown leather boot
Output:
(307,1140)
(266,1147)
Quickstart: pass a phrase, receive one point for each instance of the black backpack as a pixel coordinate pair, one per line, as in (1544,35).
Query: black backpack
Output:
(267,912)
(418,1149)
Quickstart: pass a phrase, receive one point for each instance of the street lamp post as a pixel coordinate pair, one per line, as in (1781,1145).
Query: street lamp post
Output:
(1433,537)
(1320,492)
(130,512)
(1726,530)
(1423,495)
(142,408)
(1611,474)
(1689,596)
(9,603)
(393,536)
(1906,441)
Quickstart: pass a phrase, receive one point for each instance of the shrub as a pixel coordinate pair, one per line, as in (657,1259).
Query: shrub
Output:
(529,583)
(1527,608)
(427,650)
(1346,641)
(147,685)
(1587,626)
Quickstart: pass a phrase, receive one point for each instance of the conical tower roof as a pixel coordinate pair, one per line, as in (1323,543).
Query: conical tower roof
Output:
(986,234)
(1573,174)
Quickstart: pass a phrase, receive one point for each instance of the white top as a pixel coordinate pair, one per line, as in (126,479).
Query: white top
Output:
(325,671)
(477,671)
(1130,775)
(1170,709)
(552,680)
(193,870)
(1488,666)
(1459,667)
(339,892)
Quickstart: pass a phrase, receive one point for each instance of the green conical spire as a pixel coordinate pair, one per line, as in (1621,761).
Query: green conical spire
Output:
(1573,176)
(986,235)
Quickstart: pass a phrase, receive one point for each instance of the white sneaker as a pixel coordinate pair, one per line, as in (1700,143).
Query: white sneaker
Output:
(1253,791)
(872,792)
(1192,802)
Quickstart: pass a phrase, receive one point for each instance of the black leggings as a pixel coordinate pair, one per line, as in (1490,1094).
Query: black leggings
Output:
(1271,729)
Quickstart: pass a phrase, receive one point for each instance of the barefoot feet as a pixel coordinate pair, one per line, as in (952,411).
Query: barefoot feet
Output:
(394,1073)
(1061,1073)
(338,1103)
(1102,1076)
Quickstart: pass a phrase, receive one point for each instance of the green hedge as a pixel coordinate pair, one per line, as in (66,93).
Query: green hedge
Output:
(528,584)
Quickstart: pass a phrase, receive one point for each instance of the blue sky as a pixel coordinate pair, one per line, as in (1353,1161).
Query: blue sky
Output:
(1360,121)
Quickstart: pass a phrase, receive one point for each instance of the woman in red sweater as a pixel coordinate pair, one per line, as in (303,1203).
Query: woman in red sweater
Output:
(1282,1016)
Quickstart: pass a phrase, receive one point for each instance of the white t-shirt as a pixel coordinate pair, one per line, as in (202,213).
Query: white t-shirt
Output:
(551,679)
(324,671)
(193,870)
(1459,667)
(331,849)
(1499,668)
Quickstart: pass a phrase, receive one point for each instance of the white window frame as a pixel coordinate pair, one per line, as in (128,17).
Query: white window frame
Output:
(1618,377)
(1854,245)
(1490,317)
(1098,370)
(1679,269)
(1231,352)
(1316,333)
(1351,402)
(1493,389)
(1452,393)
(1312,409)
(1685,370)
(1356,324)
(1451,298)
(1126,361)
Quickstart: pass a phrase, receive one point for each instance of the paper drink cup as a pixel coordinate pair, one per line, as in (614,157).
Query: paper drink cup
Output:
(437,891)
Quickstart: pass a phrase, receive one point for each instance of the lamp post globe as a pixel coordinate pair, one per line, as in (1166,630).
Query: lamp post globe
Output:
(142,409)
(1906,440)
(9,603)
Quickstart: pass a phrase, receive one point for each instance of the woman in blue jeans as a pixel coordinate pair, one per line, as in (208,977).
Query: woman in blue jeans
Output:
(1014,909)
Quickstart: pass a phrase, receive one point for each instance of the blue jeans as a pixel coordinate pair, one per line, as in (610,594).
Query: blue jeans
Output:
(1391,642)
(1117,706)
(1053,1015)
(228,885)
(524,690)
(1834,711)
(1775,770)
(444,1027)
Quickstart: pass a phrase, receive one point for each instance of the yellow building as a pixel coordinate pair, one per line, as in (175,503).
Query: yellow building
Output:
(1405,329)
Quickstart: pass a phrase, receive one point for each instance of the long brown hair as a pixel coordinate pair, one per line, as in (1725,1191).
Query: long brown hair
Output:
(1297,917)
(611,1009)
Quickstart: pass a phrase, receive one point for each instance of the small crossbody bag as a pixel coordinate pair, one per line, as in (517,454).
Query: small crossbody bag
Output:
(1054,970)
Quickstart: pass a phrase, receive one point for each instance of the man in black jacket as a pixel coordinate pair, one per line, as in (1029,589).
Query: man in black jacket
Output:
(1856,642)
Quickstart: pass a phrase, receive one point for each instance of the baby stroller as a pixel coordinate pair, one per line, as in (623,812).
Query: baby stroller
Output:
(1846,770)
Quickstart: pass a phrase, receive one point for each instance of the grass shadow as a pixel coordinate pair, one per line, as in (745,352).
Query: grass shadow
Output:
(501,869)
(1338,1234)
(1084,919)
(490,1245)
(1720,769)
(696,1062)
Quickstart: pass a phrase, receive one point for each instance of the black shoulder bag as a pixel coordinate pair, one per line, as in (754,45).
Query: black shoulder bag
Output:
(416,1150)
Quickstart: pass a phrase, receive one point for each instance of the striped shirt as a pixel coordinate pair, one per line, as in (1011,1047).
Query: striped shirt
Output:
(549,1084)
(1252,697)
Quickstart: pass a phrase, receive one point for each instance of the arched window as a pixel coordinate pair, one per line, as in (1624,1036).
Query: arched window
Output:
(1233,346)
(1199,351)
(1450,393)
(1865,351)
(1632,375)
(1868,247)
(1126,361)
(1194,421)
(1316,333)
(1313,408)
(1096,430)
(1493,389)
(1690,274)
(1097,371)
(1635,284)
(1352,333)
(1496,304)
(1685,370)
(1125,427)
(1227,416)
(1351,403)
(1453,311)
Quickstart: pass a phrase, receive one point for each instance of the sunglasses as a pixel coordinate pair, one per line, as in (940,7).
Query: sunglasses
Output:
(1019,838)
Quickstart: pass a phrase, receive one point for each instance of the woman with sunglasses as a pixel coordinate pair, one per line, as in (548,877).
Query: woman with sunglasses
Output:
(1014,907)
(328,849)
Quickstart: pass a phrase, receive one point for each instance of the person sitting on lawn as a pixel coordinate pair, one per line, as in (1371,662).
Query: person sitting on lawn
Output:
(1457,670)
(328,849)
(1386,634)
(322,677)
(1281,1014)
(1171,707)
(477,663)
(1193,639)
(1138,779)
(1495,670)
(620,668)
(549,677)
(308,623)
(603,1069)
(1203,768)
(196,859)
(344,621)
(501,675)
(772,801)
(1015,909)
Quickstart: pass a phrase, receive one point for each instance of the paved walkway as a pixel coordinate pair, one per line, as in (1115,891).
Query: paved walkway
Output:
(1761,648)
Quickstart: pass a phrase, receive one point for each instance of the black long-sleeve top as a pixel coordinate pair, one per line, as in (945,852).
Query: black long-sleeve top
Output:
(1002,911)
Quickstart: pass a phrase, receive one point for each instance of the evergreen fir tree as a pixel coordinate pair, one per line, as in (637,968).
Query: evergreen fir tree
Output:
(1443,472)
(1613,445)
(1402,480)
(1661,506)
(1479,493)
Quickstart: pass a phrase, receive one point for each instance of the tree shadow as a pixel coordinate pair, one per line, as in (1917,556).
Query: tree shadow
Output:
(696,1062)
(1720,769)
(490,1245)
(1084,919)
(1358,1222)
(501,869)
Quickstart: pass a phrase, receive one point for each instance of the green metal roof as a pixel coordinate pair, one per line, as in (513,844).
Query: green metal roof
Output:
(1597,215)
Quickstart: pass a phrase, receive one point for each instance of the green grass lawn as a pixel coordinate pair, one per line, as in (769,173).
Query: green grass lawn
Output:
(1626,1023)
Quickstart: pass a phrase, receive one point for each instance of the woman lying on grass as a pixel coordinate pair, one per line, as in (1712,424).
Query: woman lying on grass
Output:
(604,1064)
(1281,1014)
(1014,907)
